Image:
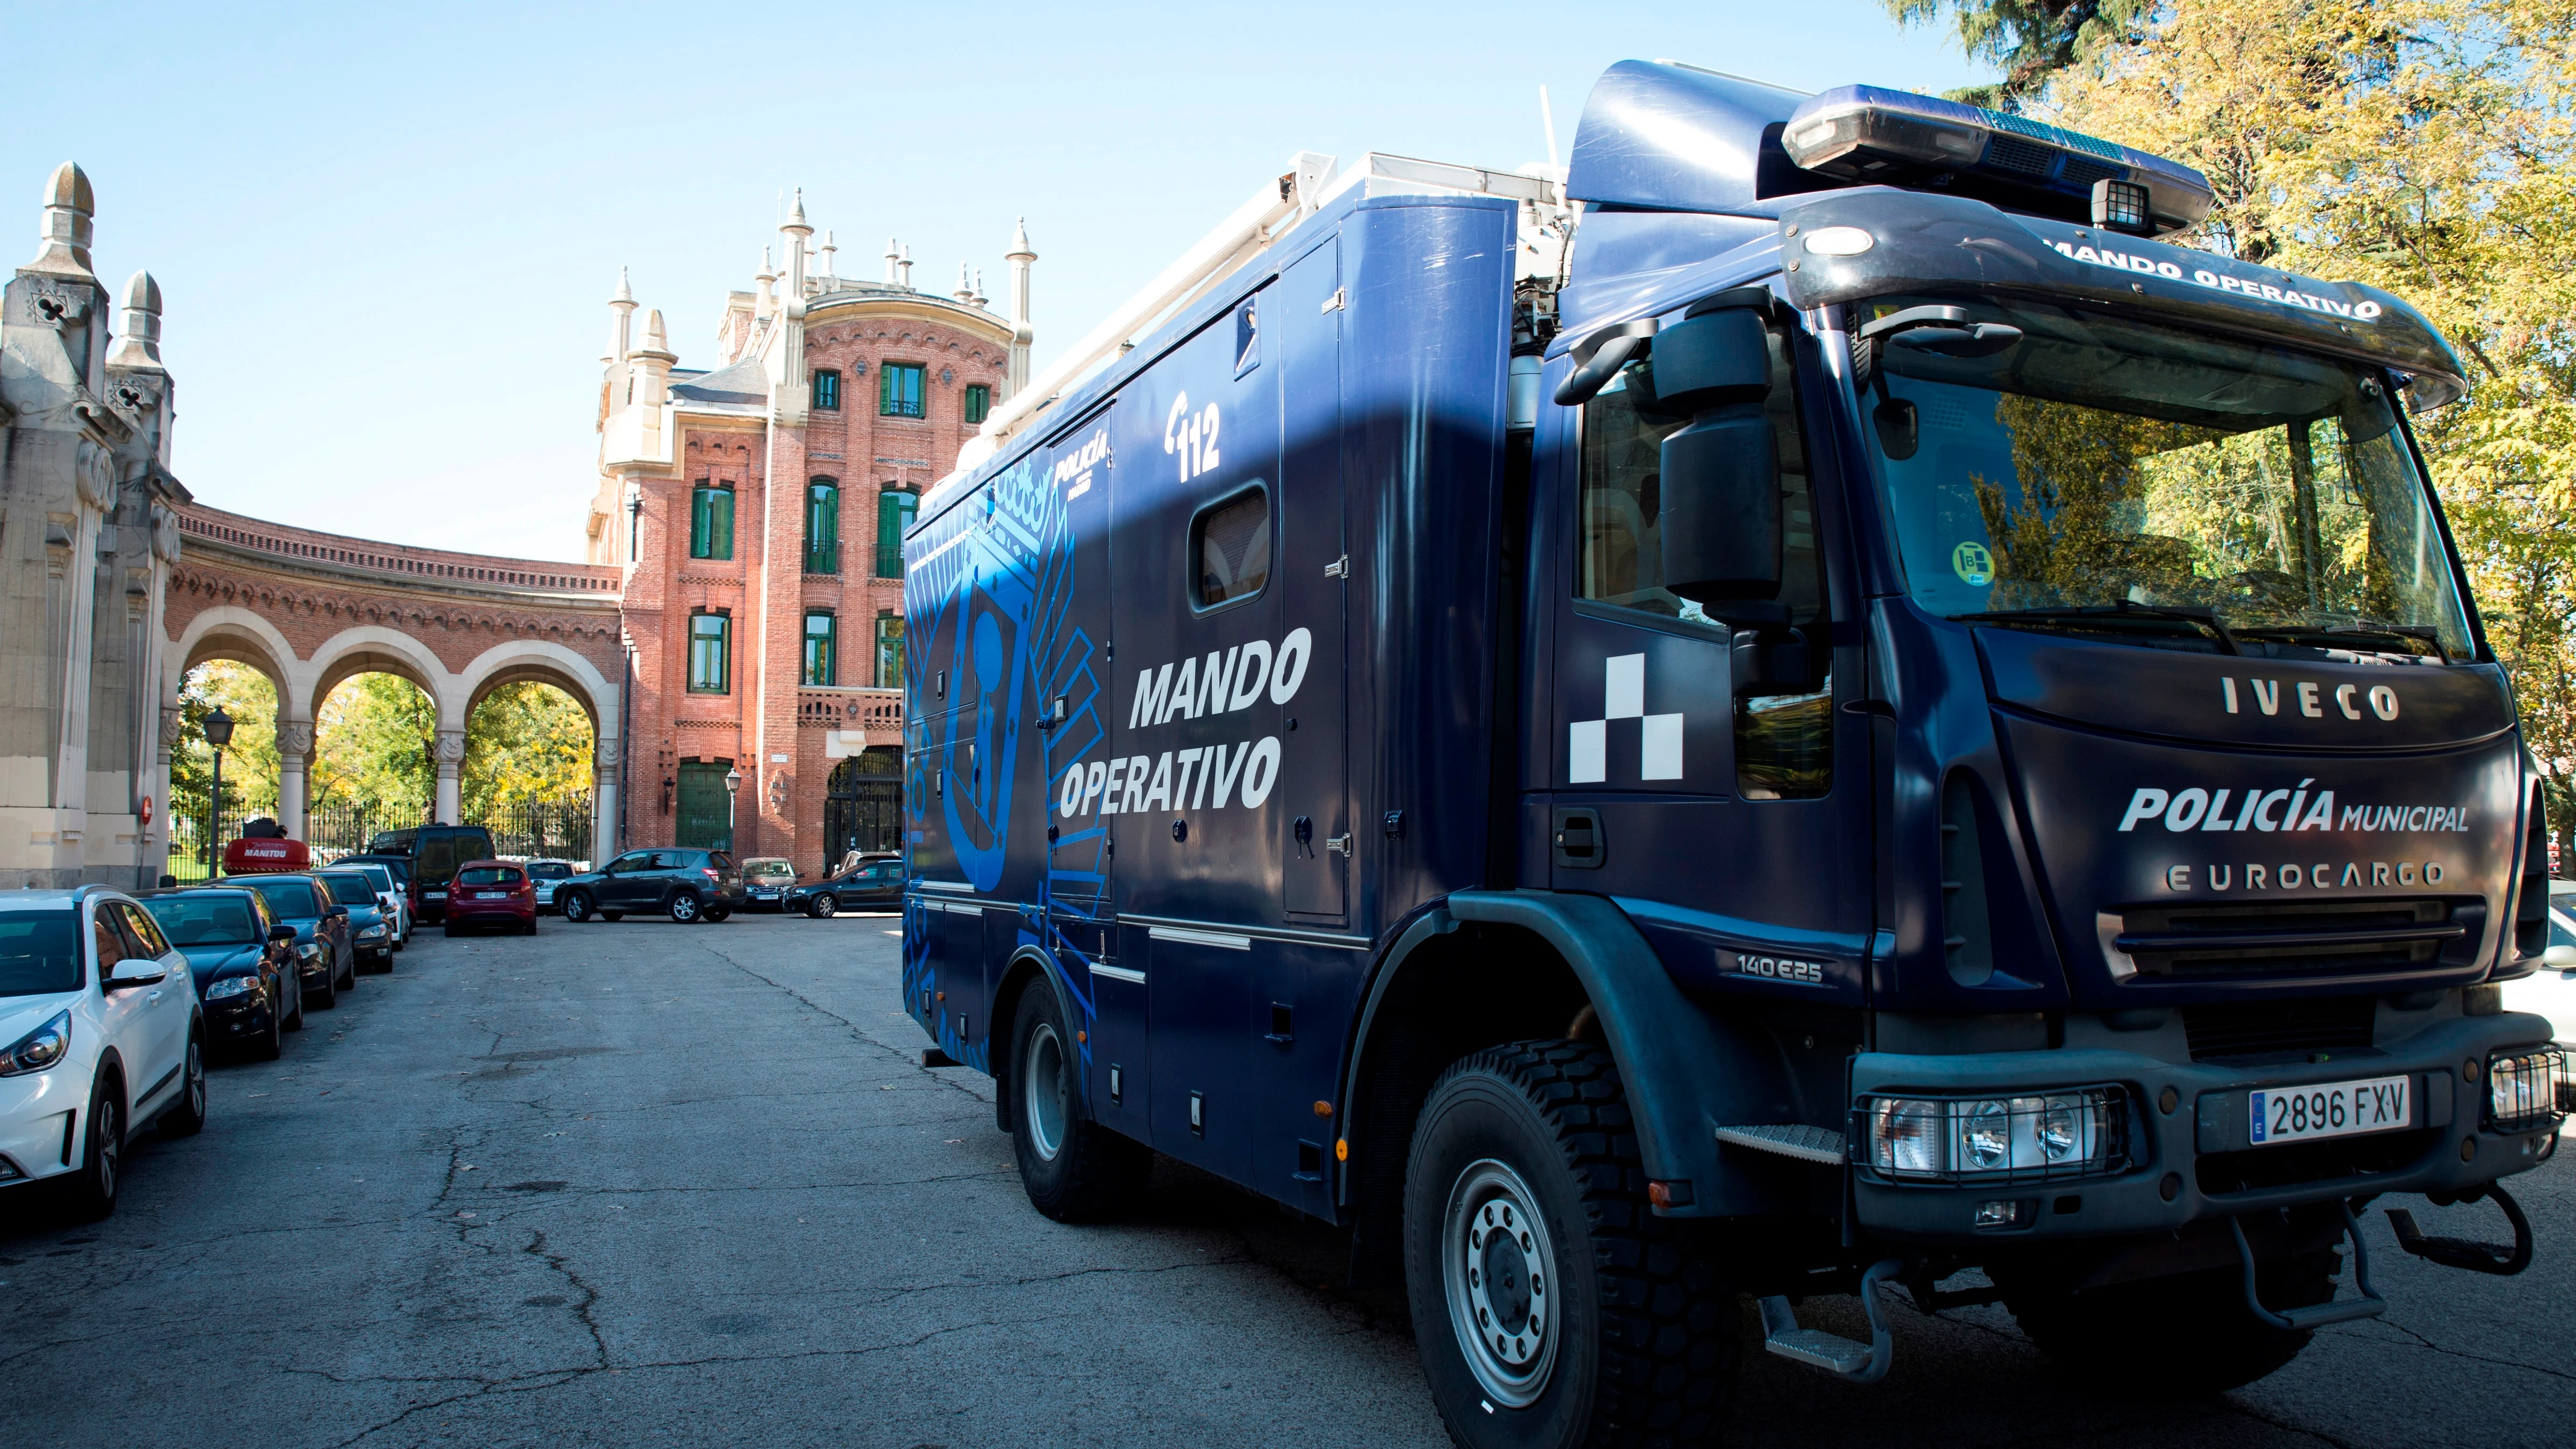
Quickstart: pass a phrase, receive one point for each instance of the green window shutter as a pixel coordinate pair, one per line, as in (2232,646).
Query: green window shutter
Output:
(698,520)
(979,403)
(895,509)
(827,390)
(899,390)
(889,651)
(821,635)
(710,640)
(720,524)
(823,527)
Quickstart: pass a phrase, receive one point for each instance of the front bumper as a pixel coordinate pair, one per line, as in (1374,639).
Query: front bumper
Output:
(2190,1162)
(230,1018)
(39,1114)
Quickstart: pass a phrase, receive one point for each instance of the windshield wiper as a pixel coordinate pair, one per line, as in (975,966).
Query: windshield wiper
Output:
(2099,613)
(2337,636)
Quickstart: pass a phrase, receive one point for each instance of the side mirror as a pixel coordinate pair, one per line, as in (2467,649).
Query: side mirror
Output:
(335,911)
(2559,958)
(1720,517)
(281,933)
(136,971)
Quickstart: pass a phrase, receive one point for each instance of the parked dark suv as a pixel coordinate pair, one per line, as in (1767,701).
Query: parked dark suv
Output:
(674,880)
(435,851)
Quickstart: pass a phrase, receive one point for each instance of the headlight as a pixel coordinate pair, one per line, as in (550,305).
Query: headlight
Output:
(2066,1133)
(371,932)
(40,1048)
(2529,1088)
(309,950)
(231,986)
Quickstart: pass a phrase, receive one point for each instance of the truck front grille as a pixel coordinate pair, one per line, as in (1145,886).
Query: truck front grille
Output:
(2262,1028)
(2281,938)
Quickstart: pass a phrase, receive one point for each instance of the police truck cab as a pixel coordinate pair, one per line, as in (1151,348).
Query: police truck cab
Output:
(1797,708)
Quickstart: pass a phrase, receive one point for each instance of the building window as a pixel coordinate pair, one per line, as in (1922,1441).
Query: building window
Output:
(889,651)
(823,527)
(899,390)
(827,390)
(979,403)
(894,514)
(711,520)
(710,654)
(821,649)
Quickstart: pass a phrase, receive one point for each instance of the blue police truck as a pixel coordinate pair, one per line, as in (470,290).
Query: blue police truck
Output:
(1797,708)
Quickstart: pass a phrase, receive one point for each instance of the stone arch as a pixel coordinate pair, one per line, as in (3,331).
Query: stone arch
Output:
(228,631)
(375,649)
(568,670)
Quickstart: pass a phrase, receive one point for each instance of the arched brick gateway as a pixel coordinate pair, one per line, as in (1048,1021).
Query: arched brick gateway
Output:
(311,609)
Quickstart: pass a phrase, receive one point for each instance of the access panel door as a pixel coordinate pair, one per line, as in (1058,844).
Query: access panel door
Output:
(1309,694)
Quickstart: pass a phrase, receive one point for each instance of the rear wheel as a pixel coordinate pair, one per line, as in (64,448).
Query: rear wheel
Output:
(89,1193)
(822,906)
(577,907)
(1075,1170)
(2173,1337)
(612,915)
(268,1047)
(1552,1307)
(187,1116)
(684,908)
(330,996)
(295,988)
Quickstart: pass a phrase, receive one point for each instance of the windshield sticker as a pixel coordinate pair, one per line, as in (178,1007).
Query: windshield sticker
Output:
(1973,563)
(2219,282)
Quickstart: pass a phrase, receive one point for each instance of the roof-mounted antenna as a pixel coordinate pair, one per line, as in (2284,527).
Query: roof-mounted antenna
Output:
(1547,119)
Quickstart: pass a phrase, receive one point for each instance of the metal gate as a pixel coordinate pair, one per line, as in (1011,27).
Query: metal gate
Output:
(863,804)
(706,817)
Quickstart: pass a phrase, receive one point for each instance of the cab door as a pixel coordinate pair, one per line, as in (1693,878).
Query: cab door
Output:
(1700,769)
(125,1014)
(1315,576)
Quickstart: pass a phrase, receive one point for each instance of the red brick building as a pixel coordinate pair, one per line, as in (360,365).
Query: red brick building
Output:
(756,505)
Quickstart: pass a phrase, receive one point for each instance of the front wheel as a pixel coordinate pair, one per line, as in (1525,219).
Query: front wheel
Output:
(821,907)
(1074,1169)
(684,908)
(1552,1307)
(577,907)
(717,915)
(89,1194)
(2188,1334)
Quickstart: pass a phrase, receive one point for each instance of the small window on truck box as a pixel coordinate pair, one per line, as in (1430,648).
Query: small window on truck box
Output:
(1230,548)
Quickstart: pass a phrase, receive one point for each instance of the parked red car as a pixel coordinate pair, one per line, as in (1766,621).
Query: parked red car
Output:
(491,893)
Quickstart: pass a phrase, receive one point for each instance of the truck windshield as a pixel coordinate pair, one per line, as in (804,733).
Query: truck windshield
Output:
(2167,488)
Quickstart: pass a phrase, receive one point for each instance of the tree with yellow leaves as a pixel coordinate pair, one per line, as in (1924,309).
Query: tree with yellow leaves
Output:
(2427,147)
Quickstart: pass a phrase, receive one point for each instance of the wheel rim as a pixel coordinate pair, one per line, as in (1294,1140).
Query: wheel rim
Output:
(825,905)
(1496,1263)
(111,1143)
(576,908)
(196,1079)
(1043,1088)
(684,908)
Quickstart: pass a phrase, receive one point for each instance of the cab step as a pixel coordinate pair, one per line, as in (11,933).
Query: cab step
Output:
(1788,1139)
(1844,1358)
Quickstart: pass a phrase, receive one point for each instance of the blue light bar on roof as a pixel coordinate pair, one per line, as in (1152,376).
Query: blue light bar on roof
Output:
(1865,134)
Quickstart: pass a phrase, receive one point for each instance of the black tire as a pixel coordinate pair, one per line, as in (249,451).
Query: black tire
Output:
(718,915)
(2177,1337)
(530,928)
(684,908)
(822,907)
(295,983)
(269,1046)
(89,1191)
(612,915)
(330,996)
(350,982)
(187,1116)
(1611,1326)
(578,907)
(1074,1169)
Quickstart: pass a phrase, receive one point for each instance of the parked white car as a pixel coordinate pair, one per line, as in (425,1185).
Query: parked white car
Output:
(546,873)
(2551,990)
(390,898)
(100,1037)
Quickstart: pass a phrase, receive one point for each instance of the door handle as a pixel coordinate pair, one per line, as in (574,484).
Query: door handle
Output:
(1339,845)
(152,995)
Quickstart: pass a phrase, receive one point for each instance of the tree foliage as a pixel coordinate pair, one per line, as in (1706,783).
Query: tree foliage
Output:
(2030,41)
(372,742)
(250,761)
(527,742)
(2427,147)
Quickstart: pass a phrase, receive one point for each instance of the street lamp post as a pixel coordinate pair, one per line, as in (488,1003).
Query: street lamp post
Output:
(219,733)
(733,787)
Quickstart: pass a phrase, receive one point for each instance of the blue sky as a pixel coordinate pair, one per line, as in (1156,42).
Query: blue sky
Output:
(386,235)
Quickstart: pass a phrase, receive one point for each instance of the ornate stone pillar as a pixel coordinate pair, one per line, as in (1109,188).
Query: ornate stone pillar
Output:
(451,760)
(603,804)
(294,757)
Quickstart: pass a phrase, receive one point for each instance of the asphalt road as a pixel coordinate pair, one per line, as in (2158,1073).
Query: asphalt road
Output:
(641,1184)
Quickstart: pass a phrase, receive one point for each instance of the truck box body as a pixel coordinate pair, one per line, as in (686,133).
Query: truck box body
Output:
(1306,706)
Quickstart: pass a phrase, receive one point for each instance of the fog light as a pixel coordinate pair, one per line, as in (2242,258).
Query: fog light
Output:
(1999,1214)
(2121,206)
(2529,1088)
(2063,1133)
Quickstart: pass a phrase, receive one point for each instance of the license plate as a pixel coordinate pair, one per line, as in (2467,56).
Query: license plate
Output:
(491,895)
(438,895)
(2329,1109)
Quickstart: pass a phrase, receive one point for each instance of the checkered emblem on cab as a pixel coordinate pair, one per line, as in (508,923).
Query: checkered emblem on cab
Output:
(1624,698)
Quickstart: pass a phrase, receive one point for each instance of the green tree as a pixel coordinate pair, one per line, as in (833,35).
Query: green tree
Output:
(250,761)
(526,742)
(2030,41)
(371,748)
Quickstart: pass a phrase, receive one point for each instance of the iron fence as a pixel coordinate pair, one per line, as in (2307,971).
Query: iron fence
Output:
(196,833)
(531,828)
